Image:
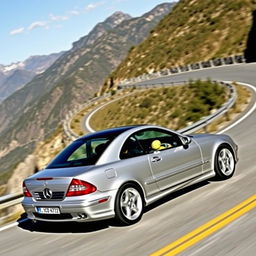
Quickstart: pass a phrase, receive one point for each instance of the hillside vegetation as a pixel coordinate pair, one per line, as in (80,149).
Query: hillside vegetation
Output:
(174,107)
(194,31)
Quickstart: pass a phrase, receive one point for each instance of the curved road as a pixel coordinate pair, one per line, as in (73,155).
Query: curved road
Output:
(170,219)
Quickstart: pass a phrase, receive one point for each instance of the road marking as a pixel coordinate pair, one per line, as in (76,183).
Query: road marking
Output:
(246,115)
(207,229)
(87,121)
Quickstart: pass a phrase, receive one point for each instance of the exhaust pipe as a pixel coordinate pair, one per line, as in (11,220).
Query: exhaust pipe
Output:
(82,216)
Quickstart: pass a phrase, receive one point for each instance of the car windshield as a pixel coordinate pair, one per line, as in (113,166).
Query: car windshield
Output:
(81,152)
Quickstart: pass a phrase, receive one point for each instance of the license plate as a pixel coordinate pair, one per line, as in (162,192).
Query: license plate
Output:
(48,210)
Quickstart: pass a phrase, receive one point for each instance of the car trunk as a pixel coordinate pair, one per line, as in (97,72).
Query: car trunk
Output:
(52,184)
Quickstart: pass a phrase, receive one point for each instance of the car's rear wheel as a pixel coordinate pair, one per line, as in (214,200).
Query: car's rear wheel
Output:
(129,204)
(224,162)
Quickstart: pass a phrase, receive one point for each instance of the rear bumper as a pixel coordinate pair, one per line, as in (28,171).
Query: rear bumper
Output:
(96,206)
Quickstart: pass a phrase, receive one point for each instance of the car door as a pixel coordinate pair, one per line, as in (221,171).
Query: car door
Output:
(172,163)
(135,165)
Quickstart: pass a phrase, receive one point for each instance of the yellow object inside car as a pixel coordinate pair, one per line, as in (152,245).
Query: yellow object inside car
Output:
(157,145)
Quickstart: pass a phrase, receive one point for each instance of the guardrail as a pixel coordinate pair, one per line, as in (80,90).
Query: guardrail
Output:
(229,60)
(205,121)
(151,85)
(10,200)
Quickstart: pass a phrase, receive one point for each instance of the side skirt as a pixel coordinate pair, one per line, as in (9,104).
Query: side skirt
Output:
(184,184)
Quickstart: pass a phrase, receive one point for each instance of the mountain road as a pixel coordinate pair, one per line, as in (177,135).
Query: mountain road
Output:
(170,218)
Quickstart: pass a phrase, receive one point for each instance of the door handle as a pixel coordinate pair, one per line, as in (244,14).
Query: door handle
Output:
(155,159)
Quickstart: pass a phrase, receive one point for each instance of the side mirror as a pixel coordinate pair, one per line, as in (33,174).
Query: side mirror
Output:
(185,140)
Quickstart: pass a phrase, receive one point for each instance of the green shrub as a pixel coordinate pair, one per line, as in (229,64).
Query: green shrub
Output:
(146,103)
(170,106)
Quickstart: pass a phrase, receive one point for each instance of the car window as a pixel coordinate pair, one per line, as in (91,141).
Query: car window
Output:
(91,148)
(131,148)
(147,141)
(80,153)
(156,140)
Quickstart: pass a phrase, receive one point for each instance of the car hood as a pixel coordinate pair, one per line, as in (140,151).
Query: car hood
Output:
(197,136)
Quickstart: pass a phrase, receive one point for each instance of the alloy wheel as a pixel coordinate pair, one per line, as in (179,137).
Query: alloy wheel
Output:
(131,203)
(226,161)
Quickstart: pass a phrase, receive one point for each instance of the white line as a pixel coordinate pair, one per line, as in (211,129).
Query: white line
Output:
(87,121)
(11,225)
(246,115)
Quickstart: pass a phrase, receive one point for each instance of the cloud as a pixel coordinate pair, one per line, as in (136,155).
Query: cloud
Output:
(74,12)
(17,31)
(58,18)
(58,26)
(38,24)
(92,6)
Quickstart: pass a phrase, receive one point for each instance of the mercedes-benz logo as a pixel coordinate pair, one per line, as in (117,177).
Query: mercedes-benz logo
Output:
(47,193)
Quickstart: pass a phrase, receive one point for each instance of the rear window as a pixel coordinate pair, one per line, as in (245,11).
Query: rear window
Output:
(81,153)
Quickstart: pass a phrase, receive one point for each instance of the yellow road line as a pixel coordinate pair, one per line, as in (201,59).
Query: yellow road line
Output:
(208,228)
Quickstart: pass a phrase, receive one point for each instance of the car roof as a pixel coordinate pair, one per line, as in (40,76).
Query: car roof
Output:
(109,132)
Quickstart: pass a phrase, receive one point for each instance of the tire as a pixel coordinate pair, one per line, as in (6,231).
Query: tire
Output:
(129,204)
(224,165)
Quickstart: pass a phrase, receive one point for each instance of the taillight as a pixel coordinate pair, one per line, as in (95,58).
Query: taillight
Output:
(80,187)
(26,191)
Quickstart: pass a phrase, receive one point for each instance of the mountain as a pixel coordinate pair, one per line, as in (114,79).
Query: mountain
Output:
(35,111)
(101,28)
(11,83)
(16,75)
(194,31)
(39,63)
(2,77)
(36,64)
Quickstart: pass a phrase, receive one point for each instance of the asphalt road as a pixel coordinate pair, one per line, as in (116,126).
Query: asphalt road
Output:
(169,219)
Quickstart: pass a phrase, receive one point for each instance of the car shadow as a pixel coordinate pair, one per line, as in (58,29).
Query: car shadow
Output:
(88,227)
(61,227)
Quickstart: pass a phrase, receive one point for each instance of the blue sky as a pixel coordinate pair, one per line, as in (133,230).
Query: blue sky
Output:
(35,27)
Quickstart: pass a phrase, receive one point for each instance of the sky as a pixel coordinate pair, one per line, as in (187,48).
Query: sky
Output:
(37,27)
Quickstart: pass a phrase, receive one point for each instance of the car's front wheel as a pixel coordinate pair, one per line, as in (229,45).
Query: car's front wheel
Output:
(224,162)
(129,204)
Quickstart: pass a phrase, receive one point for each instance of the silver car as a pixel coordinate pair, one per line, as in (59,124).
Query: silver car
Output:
(116,172)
